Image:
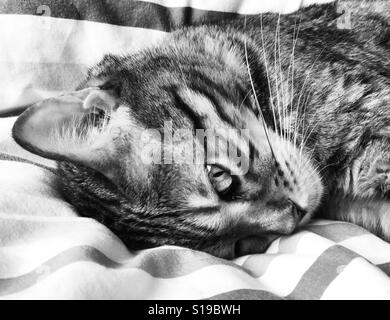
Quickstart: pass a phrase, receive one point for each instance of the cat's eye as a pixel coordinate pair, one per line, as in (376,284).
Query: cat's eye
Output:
(220,179)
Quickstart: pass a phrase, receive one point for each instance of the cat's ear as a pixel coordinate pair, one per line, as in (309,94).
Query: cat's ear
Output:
(70,127)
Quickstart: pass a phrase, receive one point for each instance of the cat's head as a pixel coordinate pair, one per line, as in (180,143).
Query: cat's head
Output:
(129,155)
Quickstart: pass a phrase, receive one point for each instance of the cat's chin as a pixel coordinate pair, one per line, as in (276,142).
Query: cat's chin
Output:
(253,245)
(243,246)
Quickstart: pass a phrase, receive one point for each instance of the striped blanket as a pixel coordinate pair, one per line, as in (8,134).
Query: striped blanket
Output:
(48,252)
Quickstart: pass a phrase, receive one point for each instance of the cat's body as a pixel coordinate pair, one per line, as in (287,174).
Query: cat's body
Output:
(318,144)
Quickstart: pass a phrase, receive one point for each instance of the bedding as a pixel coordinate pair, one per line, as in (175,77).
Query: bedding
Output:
(48,252)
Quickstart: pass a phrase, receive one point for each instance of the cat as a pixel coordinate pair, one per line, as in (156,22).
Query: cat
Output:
(304,104)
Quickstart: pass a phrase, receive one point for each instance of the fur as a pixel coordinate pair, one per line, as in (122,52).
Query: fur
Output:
(313,99)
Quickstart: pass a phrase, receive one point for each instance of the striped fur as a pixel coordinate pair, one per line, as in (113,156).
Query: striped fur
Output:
(314,104)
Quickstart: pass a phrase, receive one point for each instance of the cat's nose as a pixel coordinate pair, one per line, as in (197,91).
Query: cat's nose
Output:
(298,210)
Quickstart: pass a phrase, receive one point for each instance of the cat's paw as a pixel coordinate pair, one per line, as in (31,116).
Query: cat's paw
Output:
(375,182)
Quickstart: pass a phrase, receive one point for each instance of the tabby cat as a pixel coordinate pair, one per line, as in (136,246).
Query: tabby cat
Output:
(305,105)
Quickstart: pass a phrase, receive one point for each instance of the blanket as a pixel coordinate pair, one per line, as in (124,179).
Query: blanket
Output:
(48,252)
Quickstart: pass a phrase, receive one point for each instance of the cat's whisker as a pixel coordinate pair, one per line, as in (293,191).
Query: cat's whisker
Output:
(307,137)
(307,134)
(276,80)
(307,177)
(321,170)
(301,107)
(281,83)
(243,100)
(315,168)
(301,122)
(301,94)
(290,70)
(271,99)
(292,77)
(255,95)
